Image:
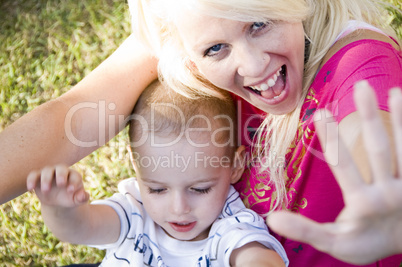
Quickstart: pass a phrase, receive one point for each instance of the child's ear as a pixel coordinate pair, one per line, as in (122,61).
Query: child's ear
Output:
(239,163)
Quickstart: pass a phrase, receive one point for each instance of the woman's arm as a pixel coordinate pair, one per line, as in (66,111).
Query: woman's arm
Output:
(369,226)
(70,127)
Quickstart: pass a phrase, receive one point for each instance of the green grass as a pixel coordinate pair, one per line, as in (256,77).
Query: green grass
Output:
(46,47)
(395,16)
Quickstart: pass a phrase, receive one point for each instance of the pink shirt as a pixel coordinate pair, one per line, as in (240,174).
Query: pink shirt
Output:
(311,186)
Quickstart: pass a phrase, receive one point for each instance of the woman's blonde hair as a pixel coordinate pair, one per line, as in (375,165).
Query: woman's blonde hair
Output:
(154,23)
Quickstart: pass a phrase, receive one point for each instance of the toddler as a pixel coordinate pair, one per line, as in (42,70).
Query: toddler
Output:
(180,209)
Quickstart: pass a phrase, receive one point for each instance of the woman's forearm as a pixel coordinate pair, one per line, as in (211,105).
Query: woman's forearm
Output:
(69,128)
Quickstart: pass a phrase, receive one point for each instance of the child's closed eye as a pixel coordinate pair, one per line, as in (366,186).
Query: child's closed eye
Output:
(202,190)
(155,190)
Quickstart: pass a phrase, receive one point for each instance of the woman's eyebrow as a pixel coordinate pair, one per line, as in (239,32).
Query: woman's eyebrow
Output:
(204,42)
(203,45)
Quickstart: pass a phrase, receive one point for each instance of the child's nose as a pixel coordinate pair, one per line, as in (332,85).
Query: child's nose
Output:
(179,204)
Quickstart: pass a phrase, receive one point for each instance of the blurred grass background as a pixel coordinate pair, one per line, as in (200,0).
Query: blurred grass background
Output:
(46,47)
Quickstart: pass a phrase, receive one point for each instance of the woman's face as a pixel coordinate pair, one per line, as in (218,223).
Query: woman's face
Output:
(261,62)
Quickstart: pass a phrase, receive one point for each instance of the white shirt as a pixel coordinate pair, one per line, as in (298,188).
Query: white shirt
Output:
(144,243)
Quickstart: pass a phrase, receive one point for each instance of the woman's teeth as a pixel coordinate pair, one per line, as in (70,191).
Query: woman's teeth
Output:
(270,83)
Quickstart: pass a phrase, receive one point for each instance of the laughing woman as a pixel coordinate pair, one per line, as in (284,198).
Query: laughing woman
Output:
(286,60)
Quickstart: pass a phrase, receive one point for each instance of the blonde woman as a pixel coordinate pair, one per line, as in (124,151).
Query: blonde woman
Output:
(283,61)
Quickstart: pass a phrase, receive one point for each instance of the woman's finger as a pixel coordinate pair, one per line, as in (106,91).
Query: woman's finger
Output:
(300,228)
(336,153)
(395,104)
(375,137)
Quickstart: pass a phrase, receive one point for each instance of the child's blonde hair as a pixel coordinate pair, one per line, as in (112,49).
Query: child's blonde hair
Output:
(154,22)
(164,112)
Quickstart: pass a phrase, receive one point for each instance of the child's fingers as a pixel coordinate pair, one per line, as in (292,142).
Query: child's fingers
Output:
(46,179)
(61,173)
(32,180)
(74,181)
(76,185)
(81,196)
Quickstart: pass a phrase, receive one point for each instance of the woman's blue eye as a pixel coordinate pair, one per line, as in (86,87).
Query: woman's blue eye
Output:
(216,48)
(258,25)
(213,50)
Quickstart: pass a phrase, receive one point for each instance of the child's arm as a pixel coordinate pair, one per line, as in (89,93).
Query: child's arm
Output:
(66,211)
(255,254)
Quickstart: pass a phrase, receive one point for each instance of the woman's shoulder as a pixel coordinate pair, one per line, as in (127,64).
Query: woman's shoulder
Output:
(361,55)
(361,34)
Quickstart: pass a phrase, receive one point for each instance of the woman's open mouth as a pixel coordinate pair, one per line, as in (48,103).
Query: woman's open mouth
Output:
(273,87)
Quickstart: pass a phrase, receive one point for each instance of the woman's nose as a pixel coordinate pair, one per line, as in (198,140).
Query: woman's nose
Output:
(251,60)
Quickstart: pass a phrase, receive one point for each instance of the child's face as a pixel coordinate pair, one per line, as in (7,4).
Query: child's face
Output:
(183,187)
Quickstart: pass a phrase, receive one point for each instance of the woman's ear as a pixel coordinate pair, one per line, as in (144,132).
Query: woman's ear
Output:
(239,162)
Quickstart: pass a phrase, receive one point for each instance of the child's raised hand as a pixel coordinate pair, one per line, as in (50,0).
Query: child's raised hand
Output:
(58,186)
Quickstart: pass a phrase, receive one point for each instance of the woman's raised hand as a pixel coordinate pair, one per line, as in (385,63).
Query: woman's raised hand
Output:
(370,225)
